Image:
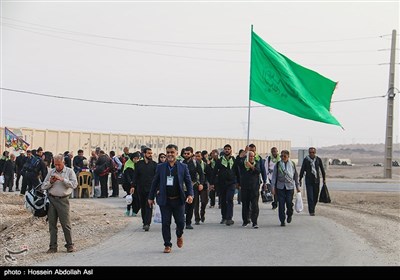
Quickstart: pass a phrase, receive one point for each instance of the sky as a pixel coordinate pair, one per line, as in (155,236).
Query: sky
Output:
(192,54)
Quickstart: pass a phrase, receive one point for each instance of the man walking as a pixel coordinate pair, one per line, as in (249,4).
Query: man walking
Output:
(284,179)
(312,164)
(270,162)
(60,182)
(174,184)
(19,163)
(250,170)
(197,176)
(225,170)
(142,178)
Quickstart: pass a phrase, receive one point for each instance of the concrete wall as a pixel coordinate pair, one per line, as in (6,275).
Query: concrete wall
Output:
(61,141)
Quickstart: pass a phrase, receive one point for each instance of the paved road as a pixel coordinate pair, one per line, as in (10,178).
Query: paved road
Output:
(375,185)
(306,241)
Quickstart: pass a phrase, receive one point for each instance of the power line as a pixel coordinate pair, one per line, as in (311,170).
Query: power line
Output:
(157,43)
(163,105)
(132,50)
(190,57)
(361,98)
(186,43)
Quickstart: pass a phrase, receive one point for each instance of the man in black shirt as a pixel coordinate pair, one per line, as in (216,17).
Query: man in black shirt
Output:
(142,177)
(197,176)
(19,163)
(174,186)
(226,171)
(312,164)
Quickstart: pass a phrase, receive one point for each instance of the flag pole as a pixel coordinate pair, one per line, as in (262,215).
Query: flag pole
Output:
(248,112)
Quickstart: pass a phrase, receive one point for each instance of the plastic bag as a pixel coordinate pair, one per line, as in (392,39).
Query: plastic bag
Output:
(324,195)
(1,179)
(128,199)
(157,215)
(97,191)
(298,206)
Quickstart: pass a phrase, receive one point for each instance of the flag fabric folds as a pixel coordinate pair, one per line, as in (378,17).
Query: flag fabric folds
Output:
(14,141)
(278,82)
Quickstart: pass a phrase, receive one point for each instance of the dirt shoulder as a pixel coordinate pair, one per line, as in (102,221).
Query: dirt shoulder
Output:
(372,215)
(92,223)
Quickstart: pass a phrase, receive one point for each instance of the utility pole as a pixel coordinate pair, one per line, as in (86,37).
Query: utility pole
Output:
(389,114)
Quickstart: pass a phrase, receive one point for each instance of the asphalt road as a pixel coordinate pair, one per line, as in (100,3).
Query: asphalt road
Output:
(307,241)
(375,185)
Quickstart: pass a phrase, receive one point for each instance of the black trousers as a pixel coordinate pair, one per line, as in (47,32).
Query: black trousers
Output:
(174,208)
(226,194)
(24,184)
(104,186)
(212,197)
(312,195)
(189,213)
(250,198)
(32,180)
(114,184)
(200,198)
(146,210)
(8,183)
(285,197)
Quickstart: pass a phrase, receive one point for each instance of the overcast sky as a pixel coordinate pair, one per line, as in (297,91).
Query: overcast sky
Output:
(194,54)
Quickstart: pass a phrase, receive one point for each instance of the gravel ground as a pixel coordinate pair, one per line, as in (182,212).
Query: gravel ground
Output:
(91,224)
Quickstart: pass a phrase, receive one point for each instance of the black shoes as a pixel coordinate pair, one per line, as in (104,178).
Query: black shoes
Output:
(189,227)
(223,221)
(289,219)
(283,224)
(229,222)
(51,250)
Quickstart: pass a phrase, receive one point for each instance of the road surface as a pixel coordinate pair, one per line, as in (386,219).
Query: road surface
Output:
(307,241)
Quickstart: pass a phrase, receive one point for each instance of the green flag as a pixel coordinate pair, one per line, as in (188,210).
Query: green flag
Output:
(278,82)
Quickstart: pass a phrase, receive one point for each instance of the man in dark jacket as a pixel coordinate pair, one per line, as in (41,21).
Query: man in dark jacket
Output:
(174,186)
(103,167)
(225,169)
(197,176)
(142,178)
(250,170)
(8,172)
(312,164)
(19,163)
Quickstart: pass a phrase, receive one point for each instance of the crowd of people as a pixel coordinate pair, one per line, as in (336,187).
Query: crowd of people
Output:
(182,185)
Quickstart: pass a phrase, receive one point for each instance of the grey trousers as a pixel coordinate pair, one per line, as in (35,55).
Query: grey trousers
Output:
(59,209)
